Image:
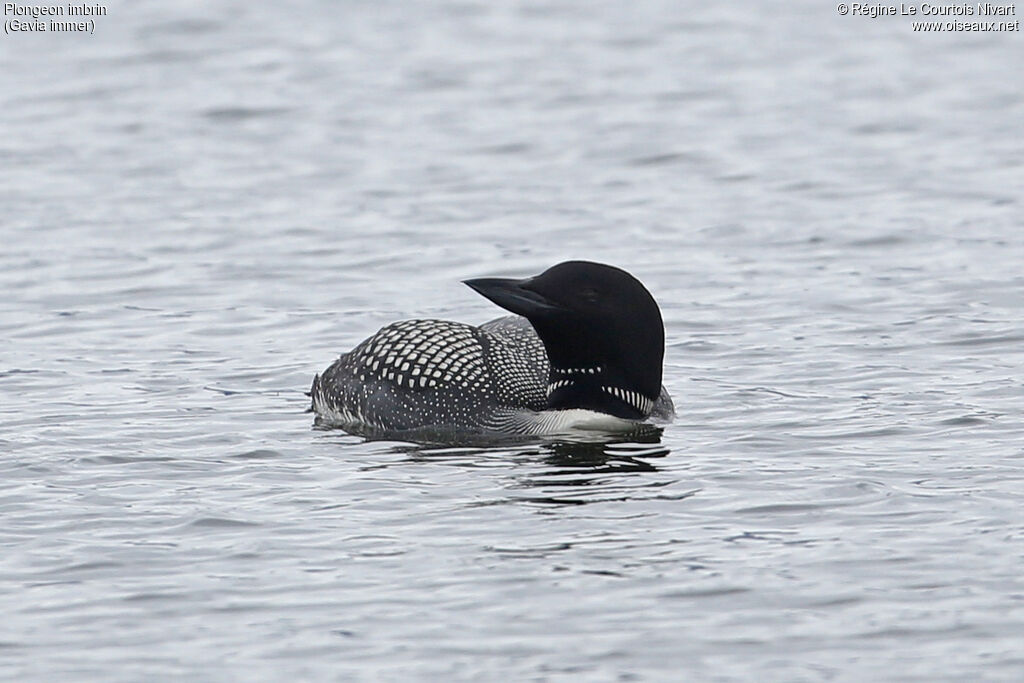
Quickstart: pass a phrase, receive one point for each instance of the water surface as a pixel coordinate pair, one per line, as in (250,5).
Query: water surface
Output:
(203,204)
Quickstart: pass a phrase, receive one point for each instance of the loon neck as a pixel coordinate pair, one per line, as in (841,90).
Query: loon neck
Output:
(598,388)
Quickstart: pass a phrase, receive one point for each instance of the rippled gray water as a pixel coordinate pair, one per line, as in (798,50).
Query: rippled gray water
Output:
(204,203)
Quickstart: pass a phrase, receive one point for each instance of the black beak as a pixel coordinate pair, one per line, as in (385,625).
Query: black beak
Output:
(513,295)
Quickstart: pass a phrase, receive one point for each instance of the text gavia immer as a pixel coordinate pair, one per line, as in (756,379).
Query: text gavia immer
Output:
(586,354)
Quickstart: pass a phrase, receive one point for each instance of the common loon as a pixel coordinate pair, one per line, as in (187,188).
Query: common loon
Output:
(586,354)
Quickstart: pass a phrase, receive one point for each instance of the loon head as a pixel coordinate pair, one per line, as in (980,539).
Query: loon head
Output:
(602,331)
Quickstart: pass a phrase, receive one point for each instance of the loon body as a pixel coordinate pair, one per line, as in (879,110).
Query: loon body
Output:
(584,352)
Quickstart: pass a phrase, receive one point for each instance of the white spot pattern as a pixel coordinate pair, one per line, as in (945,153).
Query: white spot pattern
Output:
(422,372)
(578,371)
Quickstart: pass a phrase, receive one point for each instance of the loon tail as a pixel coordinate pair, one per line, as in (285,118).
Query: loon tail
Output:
(313,390)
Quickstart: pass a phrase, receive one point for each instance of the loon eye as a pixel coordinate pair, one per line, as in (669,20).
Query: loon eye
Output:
(589,295)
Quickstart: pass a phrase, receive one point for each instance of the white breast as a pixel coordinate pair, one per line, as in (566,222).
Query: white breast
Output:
(574,419)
